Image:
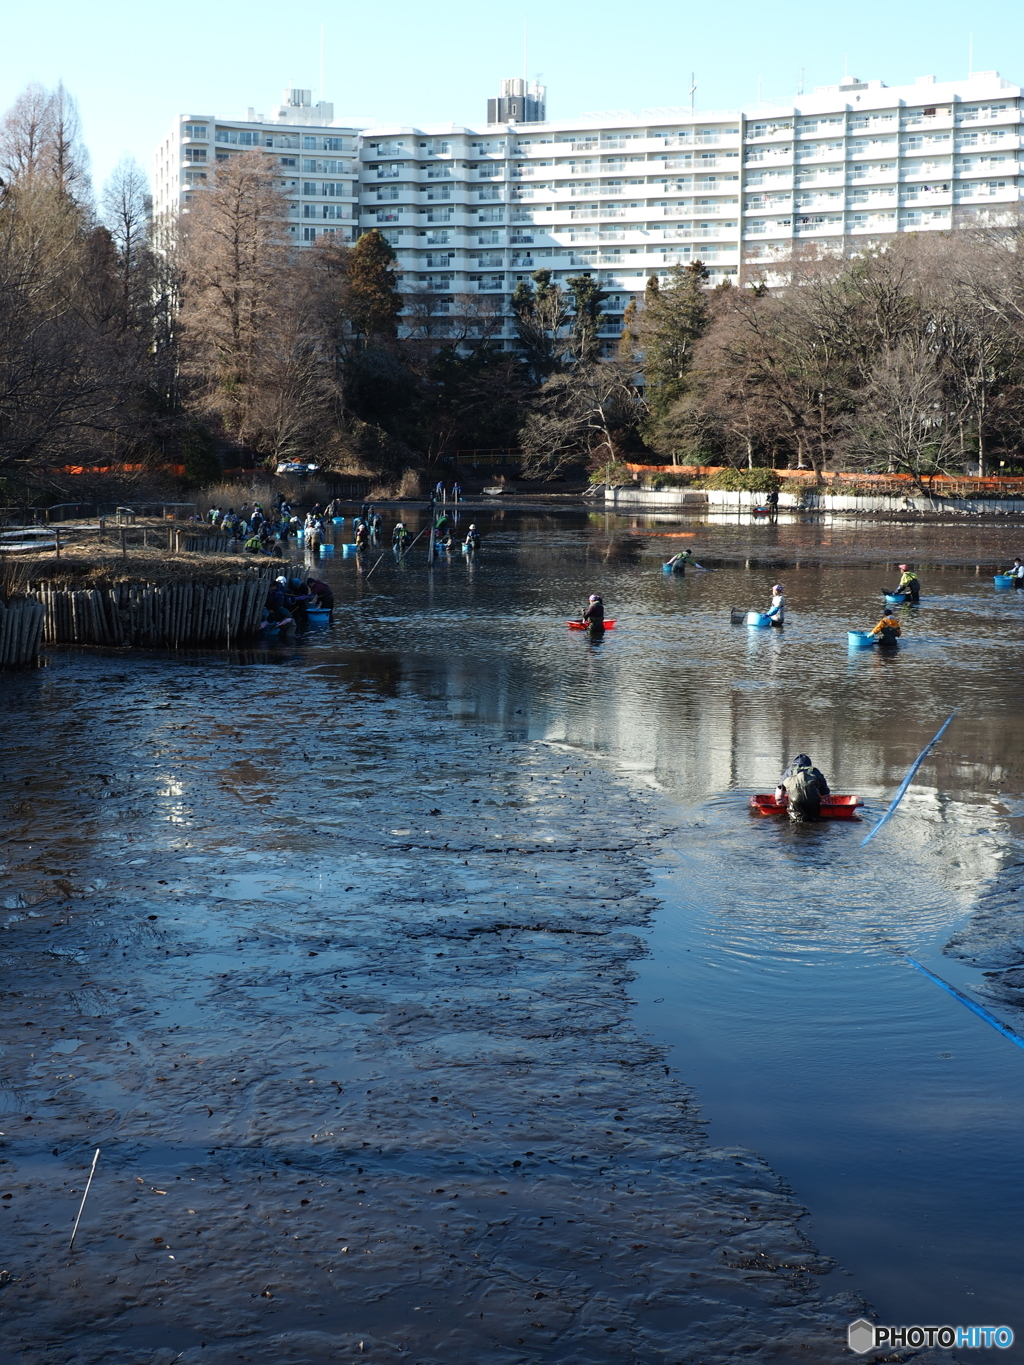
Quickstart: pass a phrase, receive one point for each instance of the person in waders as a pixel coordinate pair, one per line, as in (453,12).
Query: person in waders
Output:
(777,611)
(593,617)
(803,786)
(909,583)
(888,630)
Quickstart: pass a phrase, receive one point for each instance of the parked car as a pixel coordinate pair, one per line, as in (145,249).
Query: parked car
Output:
(296,467)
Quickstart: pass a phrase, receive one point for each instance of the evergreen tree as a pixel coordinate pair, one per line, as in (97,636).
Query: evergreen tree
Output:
(587,297)
(373,303)
(674,319)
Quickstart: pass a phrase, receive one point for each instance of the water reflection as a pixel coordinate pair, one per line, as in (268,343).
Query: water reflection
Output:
(774,973)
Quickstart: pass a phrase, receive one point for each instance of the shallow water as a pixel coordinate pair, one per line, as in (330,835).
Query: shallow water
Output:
(894,1113)
(773,975)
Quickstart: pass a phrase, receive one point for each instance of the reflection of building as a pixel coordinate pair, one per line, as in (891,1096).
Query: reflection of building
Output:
(472,211)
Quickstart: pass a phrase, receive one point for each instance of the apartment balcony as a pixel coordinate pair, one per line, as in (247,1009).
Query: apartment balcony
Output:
(577,215)
(491,285)
(521,238)
(440,215)
(519,171)
(584,191)
(439,173)
(612,144)
(388,173)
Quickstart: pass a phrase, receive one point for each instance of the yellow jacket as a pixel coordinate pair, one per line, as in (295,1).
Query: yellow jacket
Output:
(887,622)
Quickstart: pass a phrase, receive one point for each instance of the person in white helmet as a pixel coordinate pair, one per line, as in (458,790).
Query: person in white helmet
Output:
(777,610)
(593,617)
(472,541)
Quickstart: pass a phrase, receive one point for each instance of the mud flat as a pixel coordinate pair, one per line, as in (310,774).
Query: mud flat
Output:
(339,990)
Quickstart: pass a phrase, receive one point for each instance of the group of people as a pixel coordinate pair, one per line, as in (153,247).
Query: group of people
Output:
(888,630)
(290,599)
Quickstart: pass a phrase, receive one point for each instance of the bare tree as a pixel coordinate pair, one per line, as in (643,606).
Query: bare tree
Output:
(233,266)
(899,424)
(589,413)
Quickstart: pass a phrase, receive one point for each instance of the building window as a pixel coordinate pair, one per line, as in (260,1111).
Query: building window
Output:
(192,177)
(195,154)
(195,129)
(334,144)
(289,160)
(309,234)
(309,144)
(308,187)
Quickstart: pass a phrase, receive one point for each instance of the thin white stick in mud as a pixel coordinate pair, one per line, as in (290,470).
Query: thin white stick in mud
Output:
(85,1196)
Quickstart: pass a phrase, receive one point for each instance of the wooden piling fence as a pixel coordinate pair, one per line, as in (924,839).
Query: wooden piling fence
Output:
(151,615)
(21,628)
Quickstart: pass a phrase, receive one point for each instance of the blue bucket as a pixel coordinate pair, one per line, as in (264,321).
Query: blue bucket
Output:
(349,551)
(1003,580)
(327,549)
(318,616)
(338,521)
(757,618)
(859,639)
(895,599)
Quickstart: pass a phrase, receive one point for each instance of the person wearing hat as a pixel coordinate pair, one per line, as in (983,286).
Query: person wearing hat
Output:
(777,610)
(472,541)
(802,785)
(593,617)
(888,630)
(1017,573)
(909,584)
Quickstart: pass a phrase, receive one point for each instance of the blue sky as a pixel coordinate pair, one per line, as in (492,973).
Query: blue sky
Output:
(133,67)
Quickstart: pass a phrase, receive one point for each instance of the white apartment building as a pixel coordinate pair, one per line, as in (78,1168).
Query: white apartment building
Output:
(315,164)
(472,211)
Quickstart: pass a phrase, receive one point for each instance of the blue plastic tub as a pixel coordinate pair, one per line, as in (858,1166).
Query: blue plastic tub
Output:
(1003,580)
(327,549)
(318,616)
(338,521)
(349,551)
(860,639)
(758,618)
(895,599)
(671,568)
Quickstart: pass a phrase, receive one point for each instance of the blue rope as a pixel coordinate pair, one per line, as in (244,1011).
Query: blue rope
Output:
(1004,1029)
(908,779)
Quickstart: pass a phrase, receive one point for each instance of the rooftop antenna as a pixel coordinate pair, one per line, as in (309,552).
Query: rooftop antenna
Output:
(321,63)
(693,89)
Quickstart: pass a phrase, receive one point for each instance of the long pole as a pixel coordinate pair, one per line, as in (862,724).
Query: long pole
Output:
(430,546)
(88,1185)
(908,779)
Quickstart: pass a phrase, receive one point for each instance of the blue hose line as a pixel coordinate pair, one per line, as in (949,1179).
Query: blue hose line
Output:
(1004,1029)
(908,779)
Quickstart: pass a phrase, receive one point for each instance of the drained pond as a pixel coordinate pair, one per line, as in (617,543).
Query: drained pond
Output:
(433,995)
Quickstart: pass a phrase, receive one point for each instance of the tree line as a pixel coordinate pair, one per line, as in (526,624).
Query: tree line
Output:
(229,342)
